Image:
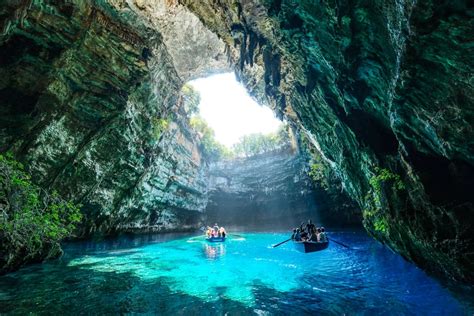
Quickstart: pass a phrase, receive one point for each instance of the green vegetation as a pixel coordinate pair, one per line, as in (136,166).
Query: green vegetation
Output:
(249,145)
(160,125)
(212,149)
(373,200)
(383,175)
(192,98)
(31,219)
(320,172)
(256,144)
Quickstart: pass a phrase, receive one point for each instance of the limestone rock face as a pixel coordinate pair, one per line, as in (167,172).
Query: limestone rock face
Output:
(271,190)
(384,91)
(86,89)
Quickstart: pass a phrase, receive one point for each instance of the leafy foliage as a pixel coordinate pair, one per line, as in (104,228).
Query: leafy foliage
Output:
(212,149)
(383,175)
(249,145)
(160,125)
(319,172)
(192,98)
(255,144)
(373,200)
(31,218)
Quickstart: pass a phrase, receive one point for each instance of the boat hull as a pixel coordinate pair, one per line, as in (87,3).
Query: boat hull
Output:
(310,246)
(216,239)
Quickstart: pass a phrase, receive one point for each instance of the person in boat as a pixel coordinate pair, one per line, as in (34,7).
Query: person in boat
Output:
(293,236)
(215,230)
(222,232)
(304,236)
(302,227)
(310,227)
(297,235)
(318,234)
(322,236)
(209,232)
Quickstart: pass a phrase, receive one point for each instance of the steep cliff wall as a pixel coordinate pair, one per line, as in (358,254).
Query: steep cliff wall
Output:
(384,91)
(89,95)
(271,190)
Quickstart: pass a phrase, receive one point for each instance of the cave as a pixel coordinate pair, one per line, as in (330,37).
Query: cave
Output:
(378,99)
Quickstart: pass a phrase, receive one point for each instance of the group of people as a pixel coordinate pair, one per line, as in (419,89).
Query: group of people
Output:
(215,231)
(309,232)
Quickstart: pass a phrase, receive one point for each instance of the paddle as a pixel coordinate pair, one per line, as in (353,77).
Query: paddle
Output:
(340,243)
(274,246)
(237,235)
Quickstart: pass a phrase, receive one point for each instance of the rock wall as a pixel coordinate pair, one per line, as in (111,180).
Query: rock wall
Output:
(84,92)
(384,91)
(268,191)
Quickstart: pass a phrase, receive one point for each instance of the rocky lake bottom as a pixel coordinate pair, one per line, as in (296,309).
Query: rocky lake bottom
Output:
(182,274)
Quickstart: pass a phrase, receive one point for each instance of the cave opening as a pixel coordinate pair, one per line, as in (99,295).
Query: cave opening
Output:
(231,113)
(257,176)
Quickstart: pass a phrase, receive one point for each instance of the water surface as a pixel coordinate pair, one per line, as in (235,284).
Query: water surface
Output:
(178,274)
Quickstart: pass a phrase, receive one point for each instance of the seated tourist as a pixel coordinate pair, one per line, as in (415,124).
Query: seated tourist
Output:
(304,236)
(310,227)
(293,236)
(215,230)
(222,232)
(318,235)
(302,227)
(322,235)
(209,232)
(297,235)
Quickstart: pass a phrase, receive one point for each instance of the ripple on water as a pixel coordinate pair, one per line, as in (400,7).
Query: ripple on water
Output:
(242,275)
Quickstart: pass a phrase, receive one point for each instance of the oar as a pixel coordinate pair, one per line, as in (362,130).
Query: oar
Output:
(340,243)
(274,246)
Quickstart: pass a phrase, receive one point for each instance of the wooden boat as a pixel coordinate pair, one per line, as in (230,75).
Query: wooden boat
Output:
(310,246)
(216,239)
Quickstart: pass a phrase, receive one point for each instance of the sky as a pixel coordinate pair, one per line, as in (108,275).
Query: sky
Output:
(230,111)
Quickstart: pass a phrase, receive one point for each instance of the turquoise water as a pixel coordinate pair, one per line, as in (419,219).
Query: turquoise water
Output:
(186,275)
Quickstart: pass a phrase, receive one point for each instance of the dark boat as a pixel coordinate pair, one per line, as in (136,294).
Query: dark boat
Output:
(310,246)
(216,239)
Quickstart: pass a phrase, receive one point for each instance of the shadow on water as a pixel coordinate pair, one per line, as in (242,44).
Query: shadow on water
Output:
(58,289)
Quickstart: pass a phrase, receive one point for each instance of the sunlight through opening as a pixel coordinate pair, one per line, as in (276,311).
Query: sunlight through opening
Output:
(230,111)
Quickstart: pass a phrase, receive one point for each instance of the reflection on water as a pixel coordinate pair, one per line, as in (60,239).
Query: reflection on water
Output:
(244,275)
(214,251)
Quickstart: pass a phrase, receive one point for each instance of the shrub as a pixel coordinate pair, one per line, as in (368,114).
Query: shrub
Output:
(160,125)
(31,219)
(255,144)
(211,148)
(191,99)
(373,200)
